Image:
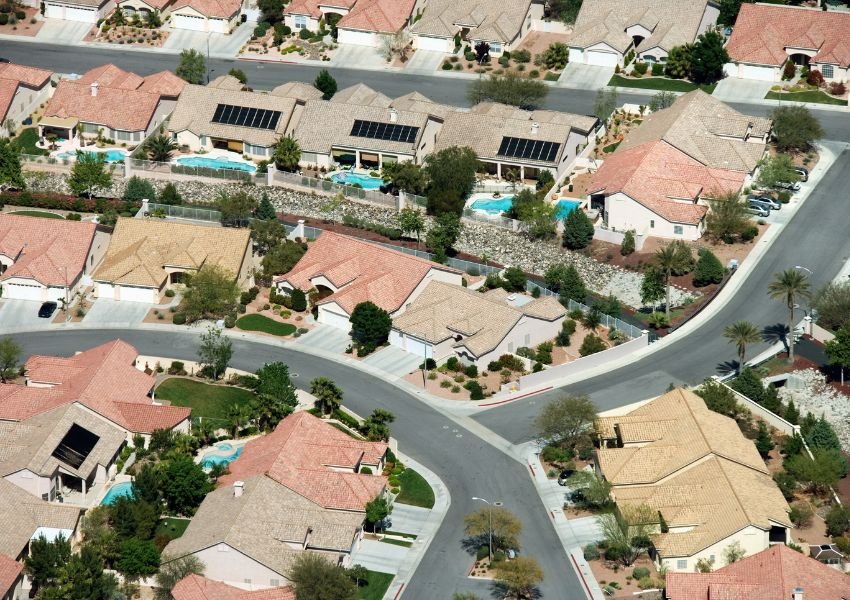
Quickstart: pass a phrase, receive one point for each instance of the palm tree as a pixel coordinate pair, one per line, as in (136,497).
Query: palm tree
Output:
(160,147)
(742,333)
(287,153)
(592,320)
(218,470)
(328,394)
(238,418)
(789,286)
(675,256)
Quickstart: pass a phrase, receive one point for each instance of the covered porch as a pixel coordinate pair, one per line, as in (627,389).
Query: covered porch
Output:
(364,159)
(57,129)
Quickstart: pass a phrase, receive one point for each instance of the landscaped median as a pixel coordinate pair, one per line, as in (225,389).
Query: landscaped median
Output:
(663,84)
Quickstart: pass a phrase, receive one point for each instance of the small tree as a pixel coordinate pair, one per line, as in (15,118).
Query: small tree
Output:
(567,421)
(627,533)
(652,287)
(764,443)
(328,394)
(482,52)
(679,62)
(410,220)
(192,67)
(376,426)
(443,235)
(11,174)
(287,153)
(727,218)
(832,302)
(519,576)
(170,195)
(795,128)
(733,552)
(572,286)
(138,189)
(160,148)
(184,485)
(172,571)
(661,100)
(332,205)
(506,527)
(265,210)
(406,176)
(837,520)
(215,351)
(670,259)
(578,230)
(239,74)
(790,286)
(267,234)
(776,169)
(138,558)
(591,345)
(742,333)
(708,57)
(708,269)
(210,293)
(801,514)
(89,174)
(595,489)
(370,325)
(299,300)
(511,88)
(326,84)
(45,559)
(236,209)
(276,397)
(316,578)
(837,350)
(376,511)
(605,103)
(719,398)
(10,356)
(451,178)
(822,435)
(282,257)
(627,247)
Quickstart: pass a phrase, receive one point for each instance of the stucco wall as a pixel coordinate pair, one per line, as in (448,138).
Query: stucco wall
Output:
(624,214)
(752,540)
(428,139)
(24,102)
(98,249)
(527,332)
(224,563)
(32,483)
(163,109)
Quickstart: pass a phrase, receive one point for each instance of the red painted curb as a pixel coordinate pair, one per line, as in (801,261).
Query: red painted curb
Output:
(266,60)
(398,593)
(581,575)
(546,389)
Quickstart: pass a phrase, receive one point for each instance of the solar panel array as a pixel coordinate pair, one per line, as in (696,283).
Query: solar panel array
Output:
(529,149)
(242,116)
(384,131)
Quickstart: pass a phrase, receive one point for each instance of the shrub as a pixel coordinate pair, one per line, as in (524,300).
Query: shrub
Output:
(455,389)
(641,67)
(627,247)
(591,552)
(4,19)
(393,481)
(299,300)
(494,366)
(784,196)
(837,520)
(814,78)
(445,383)
(511,362)
(640,572)
(471,371)
(554,454)
(534,73)
(229,321)
(475,390)
(470,56)
(179,319)
(169,293)
(504,61)
(591,345)
(789,70)
(708,268)
(305,34)
(521,56)
(801,514)
(429,364)
(749,233)
(453,364)
(837,88)
(585,453)
(657,69)
(365,471)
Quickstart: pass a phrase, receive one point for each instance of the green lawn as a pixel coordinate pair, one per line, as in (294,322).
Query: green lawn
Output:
(395,542)
(172,527)
(376,586)
(611,147)
(659,83)
(37,213)
(410,536)
(26,142)
(415,490)
(257,322)
(809,96)
(204,399)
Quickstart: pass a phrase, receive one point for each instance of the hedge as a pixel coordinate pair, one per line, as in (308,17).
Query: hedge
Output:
(65,202)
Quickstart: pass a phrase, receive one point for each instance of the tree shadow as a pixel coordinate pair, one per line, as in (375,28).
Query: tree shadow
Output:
(471,544)
(728,367)
(776,333)
(500,591)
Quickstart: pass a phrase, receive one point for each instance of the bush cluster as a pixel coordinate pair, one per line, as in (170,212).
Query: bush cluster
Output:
(63,202)
(388,232)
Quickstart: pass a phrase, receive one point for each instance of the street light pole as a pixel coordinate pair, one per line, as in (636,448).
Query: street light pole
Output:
(489,526)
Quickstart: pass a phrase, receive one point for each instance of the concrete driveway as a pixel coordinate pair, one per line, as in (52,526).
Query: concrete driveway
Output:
(585,77)
(58,31)
(109,312)
(379,556)
(394,361)
(359,57)
(327,338)
(220,44)
(741,90)
(425,62)
(22,314)
(408,519)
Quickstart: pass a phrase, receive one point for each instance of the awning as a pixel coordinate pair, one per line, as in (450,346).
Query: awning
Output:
(64,123)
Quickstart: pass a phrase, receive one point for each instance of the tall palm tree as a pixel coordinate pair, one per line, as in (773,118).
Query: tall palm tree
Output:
(789,286)
(673,257)
(160,147)
(287,153)
(237,417)
(742,333)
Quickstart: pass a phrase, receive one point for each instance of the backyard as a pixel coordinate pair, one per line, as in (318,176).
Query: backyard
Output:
(171,527)
(205,399)
(26,140)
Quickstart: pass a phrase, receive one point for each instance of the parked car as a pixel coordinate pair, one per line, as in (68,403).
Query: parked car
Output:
(788,185)
(803,172)
(47,309)
(758,209)
(562,478)
(771,203)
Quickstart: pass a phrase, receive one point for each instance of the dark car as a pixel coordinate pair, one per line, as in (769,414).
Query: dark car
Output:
(562,478)
(3,60)
(47,309)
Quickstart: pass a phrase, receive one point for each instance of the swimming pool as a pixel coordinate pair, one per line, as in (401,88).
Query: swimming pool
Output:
(119,489)
(367,182)
(219,163)
(211,460)
(493,206)
(110,155)
(224,446)
(565,207)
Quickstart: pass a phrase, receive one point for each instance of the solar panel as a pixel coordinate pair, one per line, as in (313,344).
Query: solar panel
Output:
(243,116)
(384,131)
(75,446)
(525,148)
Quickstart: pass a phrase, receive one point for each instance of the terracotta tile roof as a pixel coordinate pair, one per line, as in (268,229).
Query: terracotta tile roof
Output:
(443,311)
(707,130)
(223,9)
(109,75)
(762,32)
(302,453)
(141,248)
(269,523)
(10,570)
(381,16)
(103,379)
(772,574)
(21,514)
(43,249)
(311,7)
(665,180)
(606,21)
(360,271)
(28,76)
(164,83)
(489,20)
(198,587)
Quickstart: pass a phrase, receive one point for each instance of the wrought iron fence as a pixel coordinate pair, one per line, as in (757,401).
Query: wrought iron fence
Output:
(184,212)
(349,191)
(495,220)
(167,167)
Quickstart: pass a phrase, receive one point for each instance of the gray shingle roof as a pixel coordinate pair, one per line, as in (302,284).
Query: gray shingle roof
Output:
(491,20)
(21,514)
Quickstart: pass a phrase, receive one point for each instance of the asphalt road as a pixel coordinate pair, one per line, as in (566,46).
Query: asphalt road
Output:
(467,465)
(264,76)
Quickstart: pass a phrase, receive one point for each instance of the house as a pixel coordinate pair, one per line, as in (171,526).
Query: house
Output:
(47,259)
(370,21)
(449,320)
(778,573)
(347,271)
(104,380)
(767,36)
(110,101)
(22,90)
(827,554)
(211,16)
(676,458)
(143,8)
(198,587)
(84,11)
(503,25)
(528,142)
(309,14)
(606,31)
(24,518)
(223,116)
(301,488)
(147,256)
(660,177)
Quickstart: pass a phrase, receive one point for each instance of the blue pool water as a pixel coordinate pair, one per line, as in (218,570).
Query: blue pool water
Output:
(494,206)
(111,155)
(119,489)
(215,163)
(366,181)
(210,461)
(565,207)
(224,446)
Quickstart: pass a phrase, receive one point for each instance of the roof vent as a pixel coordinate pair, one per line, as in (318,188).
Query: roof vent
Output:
(535,127)
(393,115)
(797,594)
(512,297)
(93,87)
(238,488)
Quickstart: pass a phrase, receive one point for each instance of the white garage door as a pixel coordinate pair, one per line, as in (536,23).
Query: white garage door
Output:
(756,72)
(357,38)
(219,26)
(105,290)
(432,43)
(602,59)
(54,11)
(189,22)
(128,293)
(84,15)
(337,320)
(23,291)
(57,293)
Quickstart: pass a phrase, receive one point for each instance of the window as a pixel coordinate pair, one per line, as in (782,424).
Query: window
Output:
(496,48)
(300,21)
(649,59)
(678,230)
(711,558)
(274,582)
(652,223)
(248,581)
(682,564)
(827,71)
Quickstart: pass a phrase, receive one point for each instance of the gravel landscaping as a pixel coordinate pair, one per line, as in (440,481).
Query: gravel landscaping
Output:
(810,392)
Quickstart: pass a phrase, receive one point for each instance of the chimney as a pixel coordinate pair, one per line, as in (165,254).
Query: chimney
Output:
(535,127)
(797,594)
(393,115)
(238,488)
(93,87)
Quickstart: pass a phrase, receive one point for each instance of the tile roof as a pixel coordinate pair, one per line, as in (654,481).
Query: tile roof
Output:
(141,248)
(198,103)
(360,271)
(198,587)
(311,7)
(416,102)
(12,76)
(443,311)
(302,454)
(361,94)
(381,16)
(489,20)
(762,32)
(296,90)
(222,9)
(607,20)
(483,128)
(267,523)
(10,570)
(772,574)
(665,180)
(707,130)
(51,251)
(164,83)
(21,514)
(103,379)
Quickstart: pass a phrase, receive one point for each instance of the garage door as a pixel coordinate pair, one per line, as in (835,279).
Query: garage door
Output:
(54,11)
(56,293)
(83,15)
(602,59)
(105,290)
(128,293)
(431,43)
(756,72)
(23,291)
(219,26)
(334,319)
(189,22)
(357,38)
